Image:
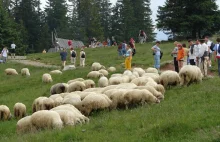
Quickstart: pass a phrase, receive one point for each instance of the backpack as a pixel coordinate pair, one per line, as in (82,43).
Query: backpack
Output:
(133,51)
(73,54)
(83,55)
(212,46)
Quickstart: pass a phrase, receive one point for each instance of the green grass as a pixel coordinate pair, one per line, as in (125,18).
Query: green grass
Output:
(188,114)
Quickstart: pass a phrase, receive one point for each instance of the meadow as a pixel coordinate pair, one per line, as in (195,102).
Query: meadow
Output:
(186,114)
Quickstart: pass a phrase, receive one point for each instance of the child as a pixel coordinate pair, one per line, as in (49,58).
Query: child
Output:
(128,58)
(73,56)
(82,57)
(180,56)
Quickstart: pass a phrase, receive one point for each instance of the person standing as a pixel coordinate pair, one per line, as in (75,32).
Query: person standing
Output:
(13,49)
(70,43)
(204,57)
(128,57)
(217,54)
(174,54)
(142,37)
(197,48)
(63,55)
(180,56)
(4,54)
(73,56)
(191,53)
(82,58)
(156,53)
(124,45)
(209,44)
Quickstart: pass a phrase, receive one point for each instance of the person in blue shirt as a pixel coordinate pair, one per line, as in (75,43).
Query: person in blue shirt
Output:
(63,55)
(156,53)
(123,50)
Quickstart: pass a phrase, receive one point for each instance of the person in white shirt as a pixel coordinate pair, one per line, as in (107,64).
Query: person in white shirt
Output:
(13,49)
(217,54)
(73,56)
(82,57)
(191,53)
(197,49)
(209,43)
(203,55)
(4,54)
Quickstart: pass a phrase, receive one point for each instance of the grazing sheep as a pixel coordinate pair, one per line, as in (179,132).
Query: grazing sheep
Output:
(160,88)
(19,110)
(89,83)
(125,79)
(35,104)
(24,125)
(169,77)
(94,74)
(96,90)
(56,72)
(5,113)
(10,71)
(139,70)
(126,86)
(157,94)
(46,78)
(25,72)
(140,81)
(46,119)
(57,98)
(115,80)
(97,66)
(74,80)
(189,74)
(103,81)
(127,72)
(58,88)
(104,72)
(151,70)
(46,104)
(136,74)
(154,76)
(112,69)
(76,86)
(116,75)
(69,67)
(72,99)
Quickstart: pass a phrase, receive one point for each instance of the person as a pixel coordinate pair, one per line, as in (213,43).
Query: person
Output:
(4,54)
(142,36)
(132,45)
(197,48)
(174,54)
(209,43)
(156,53)
(44,51)
(180,56)
(113,41)
(123,50)
(204,57)
(191,53)
(63,55)
(120,49)
(13,49)
(73,56)
(70,43)
(109,41)
(82,58)
(128,58)
(186,56)
(217,54)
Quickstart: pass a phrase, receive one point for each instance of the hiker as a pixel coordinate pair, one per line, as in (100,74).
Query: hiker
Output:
(44,51)
(82,58)
(204,57)
(217,54)
(123,48)
(70,43)
(174,54)
(113,41)
(13,49)
(210,45)
(128,58)
(186,56)
(120,49)
(197,48)
(73,56)
(109,42)
(63,55)
(191,53)
(4,54)
(156,53)
(142,37)
(132,45)
(180,56)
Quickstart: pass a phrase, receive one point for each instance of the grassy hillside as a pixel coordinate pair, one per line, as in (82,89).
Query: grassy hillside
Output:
(187,114)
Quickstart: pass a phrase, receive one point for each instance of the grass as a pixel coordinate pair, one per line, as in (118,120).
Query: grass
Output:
(187,114)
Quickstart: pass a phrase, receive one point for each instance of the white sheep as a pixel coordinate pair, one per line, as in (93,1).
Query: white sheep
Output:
(46,78)
(156,93)
(58,88)
(69,67)
(46,119)
(56,72)
(24,125)
(154,76)
(25,72)
(74,80)
(151,70)
(125,79)
(72,99)
(103,81)
(112,69)
(104,72)
(169,77)
(57,98)
(5,113)
(127,72)
(139,70)
(42,103)
(89,83)
(140,81)
(115,80)
(96,90)
(94,74)
(19,110)
(97,66)
(160,88)
(116,75)
(10,71)
(135,73)
(76,86)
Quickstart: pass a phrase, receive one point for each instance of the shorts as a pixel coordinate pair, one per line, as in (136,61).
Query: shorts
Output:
(12,51)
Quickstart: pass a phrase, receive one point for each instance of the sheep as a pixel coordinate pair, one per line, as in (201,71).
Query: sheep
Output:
(56,72)
(5,113)
(24,125)
(93,102)
(139,70)
(140,81)
(127,72)
(58,88)
(46,78)
(115,80)
(74,80)
(151,70)
(89,83)
(169,78)
(112,69)
(135,73)
(96,90)
(126,86)
(103,81)
(57,98)
(160,88)
(69,67)
(94,74)
(116,75)
(19,110)
(10,71)
(97,66)
(72,99)
(104,72)
(154,76)
(125,79)
(76,86)
(156,93)
(42,103)
(25,72)
(35,104)
(189,74)
(46,119)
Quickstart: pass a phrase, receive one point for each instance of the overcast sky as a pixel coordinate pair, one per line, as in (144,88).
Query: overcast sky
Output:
(154,6)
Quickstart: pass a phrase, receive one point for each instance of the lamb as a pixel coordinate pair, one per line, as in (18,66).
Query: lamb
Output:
(74,80)
(89,83)
(56,72)
(97,66)
(76,86)
(157,94)
(103,81)
(151,70)
(139,70)
(46,119)
(189,74)
(104,72)
(46,78)
(25,72)
(169,78)
(94,74)
(24,125)
(112,69)
(19,110)
(5,113)
(58,88)
(10,71)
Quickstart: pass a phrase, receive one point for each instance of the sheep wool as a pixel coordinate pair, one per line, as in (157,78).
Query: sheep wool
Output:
(25,72)
(5,113)
(94,74)
(103,81)
(19,110)
(74,80)
(139,70)
(46,78)
(24,125)
(10,71)
(97,66)
(76,86)
(89,83)
(56,72)
(104,72)
(168,78)
(58,88)
(151,70)
(112,69)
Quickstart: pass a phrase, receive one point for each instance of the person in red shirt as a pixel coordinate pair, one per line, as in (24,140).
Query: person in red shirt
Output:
(70,43)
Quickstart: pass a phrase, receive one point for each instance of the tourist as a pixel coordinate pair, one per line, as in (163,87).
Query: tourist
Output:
(204,57)
(128,58)
(156,53)
(174,54)
(63,55)
(4,54)
(209,44)
(180,56)
(82,58)
(13,49)
(73,56)
(191,53)
(197,48)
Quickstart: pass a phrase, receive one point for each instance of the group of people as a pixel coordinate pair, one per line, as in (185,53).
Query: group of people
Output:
(4,53)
